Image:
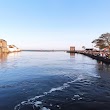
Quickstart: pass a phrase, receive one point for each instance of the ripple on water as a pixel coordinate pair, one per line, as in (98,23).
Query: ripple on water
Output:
(35,102)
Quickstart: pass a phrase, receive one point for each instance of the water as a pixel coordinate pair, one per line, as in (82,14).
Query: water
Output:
(53,81)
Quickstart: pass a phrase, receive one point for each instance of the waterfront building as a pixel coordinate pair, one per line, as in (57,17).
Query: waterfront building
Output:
(13,48)
(72,49)
(3,46)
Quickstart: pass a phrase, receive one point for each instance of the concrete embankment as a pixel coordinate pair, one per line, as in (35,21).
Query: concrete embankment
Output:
(99,58)
(94,55)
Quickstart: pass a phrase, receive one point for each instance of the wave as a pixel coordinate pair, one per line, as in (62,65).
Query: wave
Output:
(34,101)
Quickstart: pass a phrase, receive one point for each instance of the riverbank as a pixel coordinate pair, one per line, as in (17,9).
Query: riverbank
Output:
(95,55)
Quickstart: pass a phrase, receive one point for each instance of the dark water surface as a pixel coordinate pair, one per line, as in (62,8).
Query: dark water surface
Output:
(53,81)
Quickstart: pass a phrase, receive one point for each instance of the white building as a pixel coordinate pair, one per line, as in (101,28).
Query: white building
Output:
(13,48)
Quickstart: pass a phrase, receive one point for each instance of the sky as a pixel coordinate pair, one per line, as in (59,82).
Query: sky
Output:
(53,24)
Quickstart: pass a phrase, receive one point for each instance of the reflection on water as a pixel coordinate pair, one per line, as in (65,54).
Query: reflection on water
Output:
(103,66)
(72,55)
(3,57)
(13,54)
(53,81)
(9,56)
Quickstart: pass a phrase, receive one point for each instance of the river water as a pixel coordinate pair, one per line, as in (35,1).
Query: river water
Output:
(53,81)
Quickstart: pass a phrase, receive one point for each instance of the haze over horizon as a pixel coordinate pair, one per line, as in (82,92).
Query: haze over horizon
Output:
(53,24)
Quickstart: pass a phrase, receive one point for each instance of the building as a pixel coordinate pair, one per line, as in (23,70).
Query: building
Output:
(3,46)
(72,49)
(13,48)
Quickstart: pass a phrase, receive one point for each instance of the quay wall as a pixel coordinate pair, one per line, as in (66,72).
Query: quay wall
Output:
(96,56)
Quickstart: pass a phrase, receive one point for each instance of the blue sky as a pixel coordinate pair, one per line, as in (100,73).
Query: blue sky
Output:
(53,24)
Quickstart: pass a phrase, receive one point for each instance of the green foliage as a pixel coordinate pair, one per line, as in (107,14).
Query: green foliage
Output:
(103,41)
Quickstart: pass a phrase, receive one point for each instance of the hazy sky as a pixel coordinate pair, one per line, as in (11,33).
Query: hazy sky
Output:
(53,24)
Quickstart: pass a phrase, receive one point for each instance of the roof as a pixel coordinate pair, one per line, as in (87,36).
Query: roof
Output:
(2,40)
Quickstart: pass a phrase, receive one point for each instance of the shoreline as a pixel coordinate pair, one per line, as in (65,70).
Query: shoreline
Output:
(93,56)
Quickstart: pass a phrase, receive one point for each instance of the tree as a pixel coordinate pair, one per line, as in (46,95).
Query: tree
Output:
(103,41)
(84,47)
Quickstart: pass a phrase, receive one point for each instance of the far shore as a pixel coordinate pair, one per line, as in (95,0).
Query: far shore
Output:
(46,50)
